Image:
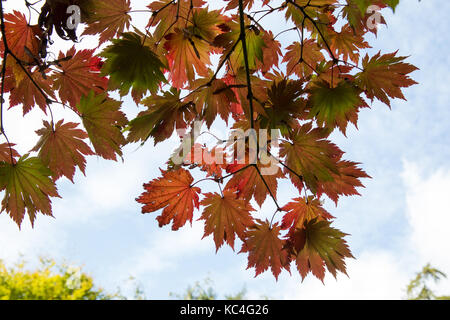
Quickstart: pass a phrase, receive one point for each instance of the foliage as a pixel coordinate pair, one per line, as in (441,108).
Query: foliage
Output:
(418,288)
(48,282)
(205,291)
(298,94)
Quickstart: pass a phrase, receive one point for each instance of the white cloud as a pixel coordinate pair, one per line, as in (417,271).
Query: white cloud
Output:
(428,213)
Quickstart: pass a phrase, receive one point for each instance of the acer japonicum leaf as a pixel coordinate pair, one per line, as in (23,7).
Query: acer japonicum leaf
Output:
(316,10)
(21,37)
(131,64)
(364,4)
(108,18)
(316,246)
(189,45)
(165,113)
(28,188)
(213,161)
(265,249)
(311,156)
(384,76)
(232,46)
(249,182)
(300,211)
(103,121)
(7,152)
(62,148)
(75,77)
(165,21)
(335,107)
(215,99)
(284,106)
(302,60)
(26,93)
(233,4)
(343,183)
(173,193)
(226,217)
(347,44)
(205,24)
(187,56)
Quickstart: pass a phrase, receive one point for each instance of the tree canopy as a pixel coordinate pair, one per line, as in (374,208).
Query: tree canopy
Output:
(188,69)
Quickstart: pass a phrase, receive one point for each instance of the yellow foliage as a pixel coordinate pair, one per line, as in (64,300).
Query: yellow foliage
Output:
(48,282)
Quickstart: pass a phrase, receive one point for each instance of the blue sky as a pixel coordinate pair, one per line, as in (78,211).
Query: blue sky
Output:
(400,223)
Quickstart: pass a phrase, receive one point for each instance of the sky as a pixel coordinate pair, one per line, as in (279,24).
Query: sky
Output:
(399,223)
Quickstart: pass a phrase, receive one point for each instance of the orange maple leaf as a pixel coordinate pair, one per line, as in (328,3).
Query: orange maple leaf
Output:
(76,77)
(265,249)
(226,216)
(7,152)
(174,193)
(110,17)
(299,211)
(62,148)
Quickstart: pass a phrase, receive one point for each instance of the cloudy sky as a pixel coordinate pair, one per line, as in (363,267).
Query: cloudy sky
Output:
(399,224)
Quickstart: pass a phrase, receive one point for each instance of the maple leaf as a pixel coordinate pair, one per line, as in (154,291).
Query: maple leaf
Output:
(212,162)
(226,216)
(103,119)
(344,183)
(186,55)
(233,50)
(330,73)
(335,107)
(62,148)
(23,39)
(302,60)
(317,10)
(347,43)
(300,211)
(233,4)
(132,64)
(164,114)
(271,53)
(167,11)
(284,105)
(316,246)
(205,24)
(358,20)
(384,76)
(265,248)
(76,78)
(249,182)
(28,187)
(174,193)
(216,98)
(108,18)
(310,156)
(26,93)
(7,152)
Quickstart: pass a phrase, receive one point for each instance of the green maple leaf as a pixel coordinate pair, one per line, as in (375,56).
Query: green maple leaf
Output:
(28,186)
(164,114)
(334,107)
(130,63)
(103,121)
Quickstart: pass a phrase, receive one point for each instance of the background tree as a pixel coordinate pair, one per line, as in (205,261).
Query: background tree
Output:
(297,94)
(418,288)
(49,282)
(205,291)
